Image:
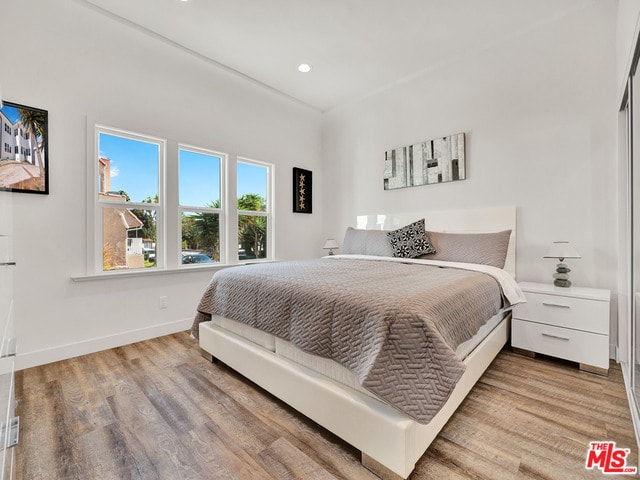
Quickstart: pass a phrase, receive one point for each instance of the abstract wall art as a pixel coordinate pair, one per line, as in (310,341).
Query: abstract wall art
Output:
(433,161)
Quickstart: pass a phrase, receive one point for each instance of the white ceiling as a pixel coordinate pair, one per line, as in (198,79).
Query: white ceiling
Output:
(356,47)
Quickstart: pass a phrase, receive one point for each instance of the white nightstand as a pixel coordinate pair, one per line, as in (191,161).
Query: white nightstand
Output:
(570,323)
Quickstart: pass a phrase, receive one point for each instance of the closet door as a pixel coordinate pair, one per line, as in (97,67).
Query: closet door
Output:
(633,119)
(625,245)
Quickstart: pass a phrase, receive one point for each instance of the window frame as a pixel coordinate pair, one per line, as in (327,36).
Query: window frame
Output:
(268,213)
(168,209)
(222,215)
(100,205)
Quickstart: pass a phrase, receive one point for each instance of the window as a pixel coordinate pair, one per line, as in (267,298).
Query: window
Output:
(144,220)
(15,149)
(253,208)
(129,200)
(201,204)
(7,129)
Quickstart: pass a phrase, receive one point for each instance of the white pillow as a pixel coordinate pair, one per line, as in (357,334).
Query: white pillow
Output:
(366,242)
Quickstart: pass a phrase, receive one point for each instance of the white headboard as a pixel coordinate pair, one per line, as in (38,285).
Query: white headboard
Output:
(473,220)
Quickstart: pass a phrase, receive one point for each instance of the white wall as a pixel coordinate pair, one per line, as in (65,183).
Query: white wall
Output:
(539,113)
(68,59)
(628,28)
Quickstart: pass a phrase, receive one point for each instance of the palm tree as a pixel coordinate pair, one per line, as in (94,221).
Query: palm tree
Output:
(252,233)
(33,122)
(252,229)
(252,202)
(207,228)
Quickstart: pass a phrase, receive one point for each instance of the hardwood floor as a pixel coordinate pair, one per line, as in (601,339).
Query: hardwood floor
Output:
(158,410)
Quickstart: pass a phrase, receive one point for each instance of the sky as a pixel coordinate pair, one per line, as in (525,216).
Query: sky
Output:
(134,169)
(199,181)
(134,165)
(11,113)
(252,179)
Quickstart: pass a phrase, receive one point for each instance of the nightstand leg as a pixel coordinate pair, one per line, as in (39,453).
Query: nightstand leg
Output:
(597,370)
(522,351)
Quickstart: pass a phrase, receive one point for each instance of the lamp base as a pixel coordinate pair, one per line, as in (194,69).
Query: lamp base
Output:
(562,275)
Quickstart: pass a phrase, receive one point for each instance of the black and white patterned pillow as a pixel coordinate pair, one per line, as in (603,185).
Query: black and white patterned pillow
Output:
(410,241)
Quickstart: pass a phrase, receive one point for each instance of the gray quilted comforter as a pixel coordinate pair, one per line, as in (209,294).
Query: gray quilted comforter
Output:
(394,325)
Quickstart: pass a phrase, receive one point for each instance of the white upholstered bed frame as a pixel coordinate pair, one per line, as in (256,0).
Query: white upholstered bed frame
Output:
(391,443)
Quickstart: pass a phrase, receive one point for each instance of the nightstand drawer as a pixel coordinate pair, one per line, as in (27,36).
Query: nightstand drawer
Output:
(571,312)
(574,345)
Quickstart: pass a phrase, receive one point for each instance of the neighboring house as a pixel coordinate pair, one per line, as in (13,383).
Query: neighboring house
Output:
(18,157)
(104,174)
(120,250)
(15,142)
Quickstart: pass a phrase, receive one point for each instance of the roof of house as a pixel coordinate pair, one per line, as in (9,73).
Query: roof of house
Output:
(130,221)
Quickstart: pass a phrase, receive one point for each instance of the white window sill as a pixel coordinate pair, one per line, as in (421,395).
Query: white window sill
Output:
(150,272)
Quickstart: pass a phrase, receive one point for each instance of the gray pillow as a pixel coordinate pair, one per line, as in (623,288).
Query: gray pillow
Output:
(482,248)
(366,242)
(410,241)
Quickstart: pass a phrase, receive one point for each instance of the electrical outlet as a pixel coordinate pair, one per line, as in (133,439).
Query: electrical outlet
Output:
(162,302)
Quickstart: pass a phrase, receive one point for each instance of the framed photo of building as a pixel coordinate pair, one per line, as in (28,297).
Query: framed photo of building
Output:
(24,151)
(302,190)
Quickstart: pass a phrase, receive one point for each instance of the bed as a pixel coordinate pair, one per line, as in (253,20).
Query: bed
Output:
(355,388)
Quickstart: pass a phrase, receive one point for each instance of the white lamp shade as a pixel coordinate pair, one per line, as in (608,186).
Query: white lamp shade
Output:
(331,243)
(561,250)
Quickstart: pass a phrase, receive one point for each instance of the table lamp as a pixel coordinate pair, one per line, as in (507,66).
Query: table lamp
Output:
(330,244)
(562,250)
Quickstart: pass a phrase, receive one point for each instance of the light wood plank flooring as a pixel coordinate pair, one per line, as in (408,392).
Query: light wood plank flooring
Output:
(158,410)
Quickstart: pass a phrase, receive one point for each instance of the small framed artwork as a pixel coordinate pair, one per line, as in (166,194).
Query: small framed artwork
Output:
(24,151)
(302,191)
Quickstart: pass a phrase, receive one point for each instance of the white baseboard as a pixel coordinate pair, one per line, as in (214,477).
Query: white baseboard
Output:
(63,352)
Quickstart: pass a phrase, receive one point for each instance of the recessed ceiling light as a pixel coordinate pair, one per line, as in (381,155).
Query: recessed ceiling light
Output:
(304,67)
